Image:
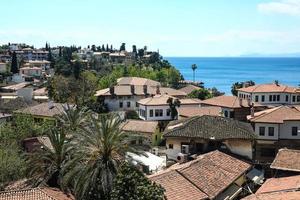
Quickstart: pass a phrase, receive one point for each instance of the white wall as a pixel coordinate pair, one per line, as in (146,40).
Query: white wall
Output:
(286,130)
(114,103)
(266,125)
(267,94)
(154,118)
(3,67)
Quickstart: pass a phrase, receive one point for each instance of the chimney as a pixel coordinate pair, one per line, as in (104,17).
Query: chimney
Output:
(157,89)
(252,111)
(145,89)
(132,89)
(112,90)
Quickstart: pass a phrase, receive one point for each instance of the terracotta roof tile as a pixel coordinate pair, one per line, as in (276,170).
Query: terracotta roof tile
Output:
(276,115)
(192,111)
(43,110)
(211,173)
(140,126)
(272,87)
(294,195)
(189,89)
(280,184)
(228,102)
(287,159)
(178,187)
(136,81)
(35,194)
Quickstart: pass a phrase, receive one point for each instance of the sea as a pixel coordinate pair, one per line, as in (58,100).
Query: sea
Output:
(223,72)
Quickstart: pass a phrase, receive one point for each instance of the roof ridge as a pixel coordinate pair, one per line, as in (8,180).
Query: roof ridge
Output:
(267,113)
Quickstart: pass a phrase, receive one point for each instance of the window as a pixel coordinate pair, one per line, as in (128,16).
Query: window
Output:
(168,112)
(158,112)
(136,104)
(231,114)
(274,97)
(294,98)
(271,131)
(286,98)
(256,98)
(298,98)
(170,146)
(278,98)
(128,104)
(262,98)
(225,113)
(140,141)
(262,130)
(270,98)
(294,131)
(121,104)
(151,113)
(133,142)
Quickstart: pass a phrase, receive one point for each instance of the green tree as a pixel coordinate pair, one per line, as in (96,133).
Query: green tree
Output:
(238,85)
(131,184)
(201,94)
(194,67)
(122,47)
(98,151)
(14,64)
(46,164)
(173,103)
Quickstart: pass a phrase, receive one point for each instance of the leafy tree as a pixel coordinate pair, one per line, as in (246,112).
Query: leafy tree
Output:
(141,53)
(201,94)
(93,47)
(194,67)
(134,49)
(12,163)
(215,92)
(14,63)
(77,68)
(173,103)
(238,85)
(131,184)
(95,160)
(122,47)
(46,164)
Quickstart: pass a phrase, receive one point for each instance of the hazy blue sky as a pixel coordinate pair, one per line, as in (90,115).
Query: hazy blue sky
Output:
(175,27)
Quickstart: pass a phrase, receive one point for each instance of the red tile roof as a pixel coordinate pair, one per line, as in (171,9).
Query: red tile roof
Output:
(35,194)
(211,173)
(276,115)
(293,195)
(272,87)
(280,184)
(228,102)
(287,159)
(192,111)
(178,187)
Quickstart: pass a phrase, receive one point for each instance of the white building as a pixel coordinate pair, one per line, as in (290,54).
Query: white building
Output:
(157,107)
(271,94)
(276,128)
(129,90)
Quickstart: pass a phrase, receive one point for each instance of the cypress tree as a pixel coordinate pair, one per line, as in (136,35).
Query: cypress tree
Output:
(107,49)
(103,48)
(14,64)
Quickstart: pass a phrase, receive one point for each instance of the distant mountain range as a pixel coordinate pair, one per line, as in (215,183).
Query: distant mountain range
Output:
(297,54)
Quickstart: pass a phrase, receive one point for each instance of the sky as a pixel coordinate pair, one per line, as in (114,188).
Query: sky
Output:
(175,27)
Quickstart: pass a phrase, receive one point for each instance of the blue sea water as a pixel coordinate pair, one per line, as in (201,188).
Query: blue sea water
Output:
(223,72)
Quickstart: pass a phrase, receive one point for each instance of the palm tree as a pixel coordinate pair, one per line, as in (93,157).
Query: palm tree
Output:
(73,118)
(97,153)
(46,163)
(194,67)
